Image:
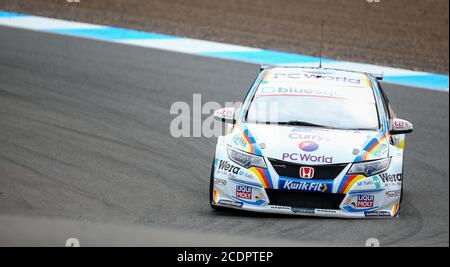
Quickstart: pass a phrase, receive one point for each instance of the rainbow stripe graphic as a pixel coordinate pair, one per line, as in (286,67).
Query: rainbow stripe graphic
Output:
(348,183)
(349,180)
(371,146)
(262,174)
(395,209)
(374,146)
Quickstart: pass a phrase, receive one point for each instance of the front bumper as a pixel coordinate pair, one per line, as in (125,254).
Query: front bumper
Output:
(347,196)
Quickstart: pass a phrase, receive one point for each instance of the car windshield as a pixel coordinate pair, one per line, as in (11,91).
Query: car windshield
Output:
(319,104)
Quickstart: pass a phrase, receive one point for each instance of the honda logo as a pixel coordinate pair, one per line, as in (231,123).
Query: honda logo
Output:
(306,172)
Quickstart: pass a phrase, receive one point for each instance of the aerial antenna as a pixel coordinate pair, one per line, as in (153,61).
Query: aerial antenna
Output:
(321,42)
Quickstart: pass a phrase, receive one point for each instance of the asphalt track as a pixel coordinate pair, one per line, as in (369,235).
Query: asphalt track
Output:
(84,136)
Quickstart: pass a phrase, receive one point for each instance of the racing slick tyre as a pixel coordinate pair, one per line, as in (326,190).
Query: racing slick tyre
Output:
(402,190)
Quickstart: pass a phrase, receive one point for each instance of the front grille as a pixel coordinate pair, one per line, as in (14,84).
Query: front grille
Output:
(304,200)
(321,172)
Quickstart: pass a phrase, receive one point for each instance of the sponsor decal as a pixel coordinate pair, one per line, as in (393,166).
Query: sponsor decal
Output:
(306,136)
(239,176)
(401,124)
(239,141)
(266,90)
(230,203)
(302,134)
(347,201)
(373,181)
(244,192)
(394,193)
(220,181)
(261,196)
(231,176)
(306,172)
(280,207)
(303,210)
(246,175)
(377,214)
(291,90)
(305,186)
(377,182)
(320,72)
(379,151)
(312,76)
(365,182)
(225,166)
(308,146)
(324,211)
(391,178)
(307,157)
(365,201)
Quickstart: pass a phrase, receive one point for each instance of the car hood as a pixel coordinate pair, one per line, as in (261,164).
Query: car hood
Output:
(309,145)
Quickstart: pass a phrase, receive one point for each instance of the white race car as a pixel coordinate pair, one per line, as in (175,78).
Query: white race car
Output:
(314,142)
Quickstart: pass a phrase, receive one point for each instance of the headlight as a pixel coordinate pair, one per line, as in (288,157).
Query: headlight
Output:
(245,159)
(370,168)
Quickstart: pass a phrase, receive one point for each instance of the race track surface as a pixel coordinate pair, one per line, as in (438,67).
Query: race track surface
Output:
(85,136)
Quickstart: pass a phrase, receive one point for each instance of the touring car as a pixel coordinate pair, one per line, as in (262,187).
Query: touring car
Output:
(311,141)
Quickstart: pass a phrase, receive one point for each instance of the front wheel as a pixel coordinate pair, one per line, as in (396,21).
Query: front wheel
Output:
(401,191)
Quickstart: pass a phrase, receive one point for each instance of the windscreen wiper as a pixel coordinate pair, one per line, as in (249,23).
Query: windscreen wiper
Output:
(302,123)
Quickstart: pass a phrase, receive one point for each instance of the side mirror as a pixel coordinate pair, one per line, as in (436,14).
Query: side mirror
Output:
(225,115)
(400,126)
